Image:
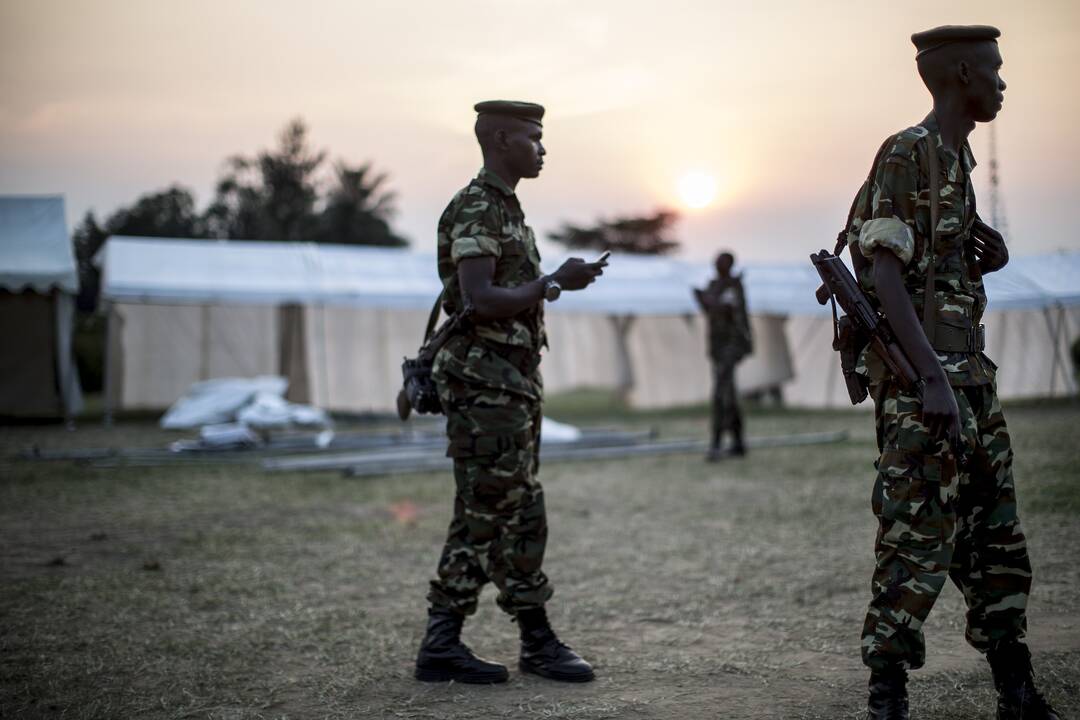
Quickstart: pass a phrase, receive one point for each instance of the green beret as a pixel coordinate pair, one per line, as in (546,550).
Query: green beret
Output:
(530,112)
(930,40)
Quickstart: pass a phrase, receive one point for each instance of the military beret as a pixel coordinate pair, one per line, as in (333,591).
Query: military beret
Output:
(530,112)
(930,40)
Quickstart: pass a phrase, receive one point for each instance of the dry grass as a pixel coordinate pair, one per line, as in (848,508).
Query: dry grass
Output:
(733,590)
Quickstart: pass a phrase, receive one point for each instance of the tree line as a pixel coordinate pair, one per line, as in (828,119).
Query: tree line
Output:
(280,195)
(276,195)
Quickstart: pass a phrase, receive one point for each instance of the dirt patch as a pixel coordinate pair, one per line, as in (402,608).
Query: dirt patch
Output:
(733,590)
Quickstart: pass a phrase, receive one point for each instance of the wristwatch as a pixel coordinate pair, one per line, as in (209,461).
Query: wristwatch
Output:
(552,289)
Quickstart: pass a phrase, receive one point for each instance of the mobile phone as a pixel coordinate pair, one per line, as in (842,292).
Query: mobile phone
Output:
(603,258)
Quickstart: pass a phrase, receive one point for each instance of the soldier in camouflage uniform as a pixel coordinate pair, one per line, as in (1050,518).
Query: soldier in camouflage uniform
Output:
(944,495)
(730,340)
(490,388)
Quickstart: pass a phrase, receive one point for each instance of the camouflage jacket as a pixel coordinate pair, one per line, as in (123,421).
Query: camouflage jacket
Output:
(892,210)
(729,327)
(485,219)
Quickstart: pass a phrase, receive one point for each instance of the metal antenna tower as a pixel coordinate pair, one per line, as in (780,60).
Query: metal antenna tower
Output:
(997,207)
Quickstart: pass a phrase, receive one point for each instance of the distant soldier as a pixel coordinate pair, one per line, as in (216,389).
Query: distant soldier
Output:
(491,391)
(944,496)
(730,340)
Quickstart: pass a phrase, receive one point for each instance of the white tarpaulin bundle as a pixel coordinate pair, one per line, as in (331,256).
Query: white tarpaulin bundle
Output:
(337,320)
(38,282)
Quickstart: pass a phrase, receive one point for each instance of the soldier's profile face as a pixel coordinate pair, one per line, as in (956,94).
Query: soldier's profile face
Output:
(525,149)
(986,88)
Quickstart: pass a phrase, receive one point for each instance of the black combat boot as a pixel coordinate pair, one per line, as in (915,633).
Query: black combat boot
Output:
(444,657)
(1018,698)
(888,694)
(738,447)
(542,653)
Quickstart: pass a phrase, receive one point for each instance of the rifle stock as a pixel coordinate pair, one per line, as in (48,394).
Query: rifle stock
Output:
(839,284)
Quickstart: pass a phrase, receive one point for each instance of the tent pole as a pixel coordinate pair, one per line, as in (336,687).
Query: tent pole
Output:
(1056,362)
(110,384)
(624,368)
(204,342)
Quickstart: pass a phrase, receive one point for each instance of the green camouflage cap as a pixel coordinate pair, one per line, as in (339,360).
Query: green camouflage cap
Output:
(930,40)
(529,112)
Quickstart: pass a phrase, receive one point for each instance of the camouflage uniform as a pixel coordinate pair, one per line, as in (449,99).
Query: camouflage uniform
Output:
(491,390)
(729,342)
(937,517)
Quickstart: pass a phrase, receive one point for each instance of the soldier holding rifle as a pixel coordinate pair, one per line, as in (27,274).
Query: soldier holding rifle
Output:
(944,495)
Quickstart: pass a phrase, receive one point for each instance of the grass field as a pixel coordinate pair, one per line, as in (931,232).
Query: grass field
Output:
(733,590)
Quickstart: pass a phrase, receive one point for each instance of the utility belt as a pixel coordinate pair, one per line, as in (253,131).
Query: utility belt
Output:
(525,359)
(464,445)
(953,339)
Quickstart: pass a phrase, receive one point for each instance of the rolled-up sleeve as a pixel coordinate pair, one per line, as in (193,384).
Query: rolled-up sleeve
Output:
(476,230)
(889,233)
(892,218)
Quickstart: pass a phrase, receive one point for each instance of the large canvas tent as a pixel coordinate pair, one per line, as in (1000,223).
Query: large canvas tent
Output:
(38,284)
(337,320)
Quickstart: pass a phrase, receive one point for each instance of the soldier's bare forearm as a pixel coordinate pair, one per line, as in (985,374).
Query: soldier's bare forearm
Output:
(489,301)
(896,303)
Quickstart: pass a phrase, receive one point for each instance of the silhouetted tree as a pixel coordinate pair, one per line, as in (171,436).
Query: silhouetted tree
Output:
(88,239)
(271,196)
(646,235)
(166,213)
(358,209)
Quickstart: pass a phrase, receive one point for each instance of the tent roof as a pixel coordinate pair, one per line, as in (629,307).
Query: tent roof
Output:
(200,271)
(35,248)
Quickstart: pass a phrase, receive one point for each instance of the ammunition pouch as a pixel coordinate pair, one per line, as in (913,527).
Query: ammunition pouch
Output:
(849,342)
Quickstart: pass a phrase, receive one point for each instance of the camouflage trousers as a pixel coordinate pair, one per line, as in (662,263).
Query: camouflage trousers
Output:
(725,407)
(499,527)
(938,519)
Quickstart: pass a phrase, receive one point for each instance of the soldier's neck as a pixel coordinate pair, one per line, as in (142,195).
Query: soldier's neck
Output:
(954,123)
(508,177)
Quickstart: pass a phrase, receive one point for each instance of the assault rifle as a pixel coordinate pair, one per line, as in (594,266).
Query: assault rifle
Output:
(419,392)
(859,326)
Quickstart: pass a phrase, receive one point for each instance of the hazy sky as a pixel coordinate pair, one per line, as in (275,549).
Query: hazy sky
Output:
(783,103)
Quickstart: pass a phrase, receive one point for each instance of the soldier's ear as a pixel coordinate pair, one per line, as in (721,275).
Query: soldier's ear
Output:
(502,140)
(963,72)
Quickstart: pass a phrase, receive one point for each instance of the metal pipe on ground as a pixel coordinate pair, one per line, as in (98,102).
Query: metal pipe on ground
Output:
(430,463)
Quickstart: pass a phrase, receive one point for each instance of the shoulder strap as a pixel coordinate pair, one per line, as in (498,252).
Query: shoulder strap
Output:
(841,239)
(929,302)
(434,316)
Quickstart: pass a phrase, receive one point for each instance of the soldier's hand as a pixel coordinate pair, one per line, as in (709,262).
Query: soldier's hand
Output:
(576,274)
(988,247)
(941,414)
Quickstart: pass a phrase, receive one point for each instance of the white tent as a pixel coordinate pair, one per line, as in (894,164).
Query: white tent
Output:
(337,321)
(38,284)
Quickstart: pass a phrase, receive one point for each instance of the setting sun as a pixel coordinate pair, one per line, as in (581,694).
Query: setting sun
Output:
(697,189)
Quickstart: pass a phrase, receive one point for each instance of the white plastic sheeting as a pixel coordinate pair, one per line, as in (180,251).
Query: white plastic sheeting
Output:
(257,402)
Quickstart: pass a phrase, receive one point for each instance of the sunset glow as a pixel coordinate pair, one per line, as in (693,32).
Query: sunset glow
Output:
(697,189)
(755,130)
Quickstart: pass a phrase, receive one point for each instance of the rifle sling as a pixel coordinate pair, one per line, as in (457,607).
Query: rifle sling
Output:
(841,239)
(434,316)
(929,300)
